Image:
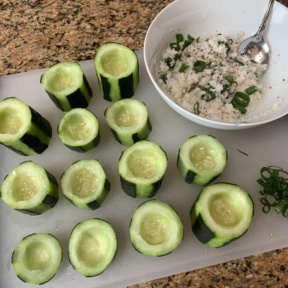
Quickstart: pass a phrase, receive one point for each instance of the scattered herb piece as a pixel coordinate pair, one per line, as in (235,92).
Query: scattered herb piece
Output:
(163,77)
(196,107)
(169,62)
(183,68)
(242,152)
(209,95)
(199,66)
(240,101)
(251,90)
(239,62)
(188,41)
(274,181)
(179,38)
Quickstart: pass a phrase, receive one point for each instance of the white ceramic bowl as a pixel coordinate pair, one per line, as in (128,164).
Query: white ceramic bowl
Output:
(206,18)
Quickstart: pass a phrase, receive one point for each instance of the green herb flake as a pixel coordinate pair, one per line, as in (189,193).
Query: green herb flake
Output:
(183,68)
(199,66)
(169,62)
(196,107)
(179,38)
(251,90)
(244,153)
(239,62)
(163,77)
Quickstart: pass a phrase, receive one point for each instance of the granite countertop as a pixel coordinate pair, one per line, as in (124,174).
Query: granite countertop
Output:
(38,33)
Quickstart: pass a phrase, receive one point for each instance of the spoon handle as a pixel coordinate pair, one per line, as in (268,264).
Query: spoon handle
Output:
(262,27)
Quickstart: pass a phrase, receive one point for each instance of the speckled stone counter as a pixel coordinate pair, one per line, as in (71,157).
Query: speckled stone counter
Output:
(37,33)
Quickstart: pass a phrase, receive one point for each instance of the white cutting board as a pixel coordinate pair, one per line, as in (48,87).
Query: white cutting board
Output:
(265,145)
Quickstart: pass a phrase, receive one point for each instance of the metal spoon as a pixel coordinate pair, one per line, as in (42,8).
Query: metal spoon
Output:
(255,46)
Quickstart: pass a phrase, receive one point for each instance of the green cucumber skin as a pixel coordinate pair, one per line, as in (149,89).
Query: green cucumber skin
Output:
(203,233)
(135,191)
(48,202)
(96,204)
(190,176)
(126,88)
(87,147)
(37,138)
(126,85)
(78,99)
(142,135)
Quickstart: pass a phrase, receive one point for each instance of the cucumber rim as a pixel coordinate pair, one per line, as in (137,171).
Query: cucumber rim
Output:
(108,52)
(43,183)
(71,71)
(83,256)
(79,120)
(207,162)
(153,152)
(168,230)
(9,108)
(94,175)
(35,245)
(128,120)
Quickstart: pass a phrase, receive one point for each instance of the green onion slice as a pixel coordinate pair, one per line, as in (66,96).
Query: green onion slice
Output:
(251,90)
(241,99)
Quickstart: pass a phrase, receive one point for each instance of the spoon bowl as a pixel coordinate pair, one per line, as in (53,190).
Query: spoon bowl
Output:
(255,47)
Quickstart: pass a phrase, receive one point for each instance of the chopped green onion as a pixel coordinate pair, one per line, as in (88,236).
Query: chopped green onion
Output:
(242,109)
(225,88)
(230,79)
(175,46)
(163,77)
(199,66)
(183,68)
(177,57)
(239,62)
(179,38)
(191,88)
(209,95)
(241,99)
(190,38)
(188,41)
(226,44)
(169,62)
(196,108)
(251,90)
(274,182)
